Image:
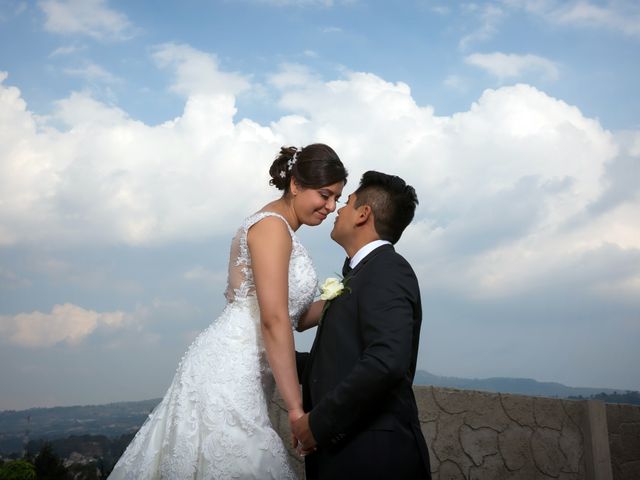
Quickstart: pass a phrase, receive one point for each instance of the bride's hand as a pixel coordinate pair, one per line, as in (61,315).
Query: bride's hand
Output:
(294,415)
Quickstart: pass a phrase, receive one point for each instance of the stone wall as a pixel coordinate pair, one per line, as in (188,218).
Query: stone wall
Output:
(624,440)
(477,435)
(490,436)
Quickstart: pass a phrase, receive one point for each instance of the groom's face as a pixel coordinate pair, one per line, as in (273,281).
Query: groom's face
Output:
(345,221)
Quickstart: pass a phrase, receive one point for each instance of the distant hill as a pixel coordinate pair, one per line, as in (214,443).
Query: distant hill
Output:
(520,386)
(111,420)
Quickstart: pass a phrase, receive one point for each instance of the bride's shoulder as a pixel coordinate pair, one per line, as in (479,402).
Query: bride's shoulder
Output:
(266,217)
(268,233)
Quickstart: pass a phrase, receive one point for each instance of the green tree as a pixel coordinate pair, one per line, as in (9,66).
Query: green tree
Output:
(17,470)
(48,465)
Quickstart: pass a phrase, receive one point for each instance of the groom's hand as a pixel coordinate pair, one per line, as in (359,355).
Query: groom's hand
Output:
(303,433)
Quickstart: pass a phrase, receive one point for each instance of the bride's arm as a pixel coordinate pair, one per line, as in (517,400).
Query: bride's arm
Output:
(311,317)
(270,247)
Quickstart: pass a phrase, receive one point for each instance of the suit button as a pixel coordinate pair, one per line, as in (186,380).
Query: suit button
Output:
(315,380)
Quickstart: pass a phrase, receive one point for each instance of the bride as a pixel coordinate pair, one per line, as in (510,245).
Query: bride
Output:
(213,421)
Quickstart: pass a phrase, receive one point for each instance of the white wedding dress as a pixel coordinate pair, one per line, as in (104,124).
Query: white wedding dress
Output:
(213,422)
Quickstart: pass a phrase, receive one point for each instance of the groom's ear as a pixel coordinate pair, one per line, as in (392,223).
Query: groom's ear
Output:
(364,213)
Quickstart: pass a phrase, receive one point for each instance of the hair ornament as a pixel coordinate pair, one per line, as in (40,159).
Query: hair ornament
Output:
(282,174)
(293,161)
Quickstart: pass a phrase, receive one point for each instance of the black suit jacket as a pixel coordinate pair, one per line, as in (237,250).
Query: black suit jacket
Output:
(358,376)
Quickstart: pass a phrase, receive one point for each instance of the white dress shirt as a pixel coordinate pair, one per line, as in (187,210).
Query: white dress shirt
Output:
(366,250)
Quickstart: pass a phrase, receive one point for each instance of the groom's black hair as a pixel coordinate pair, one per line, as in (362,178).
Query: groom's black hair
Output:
(392,202)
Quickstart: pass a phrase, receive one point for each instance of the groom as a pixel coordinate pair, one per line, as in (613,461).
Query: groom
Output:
(362,419)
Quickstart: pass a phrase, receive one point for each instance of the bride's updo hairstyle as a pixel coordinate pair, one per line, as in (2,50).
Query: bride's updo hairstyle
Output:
(313,166)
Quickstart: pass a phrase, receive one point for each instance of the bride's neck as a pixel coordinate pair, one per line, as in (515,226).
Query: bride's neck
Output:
(284,207)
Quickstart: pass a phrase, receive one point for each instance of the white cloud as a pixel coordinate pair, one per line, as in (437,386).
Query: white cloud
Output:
(616,15)
(440,9)
(209,277)
(110,178)
(85,17)
(501,185)
(624,16)
(197,72)
(506,66)
(11,280)
(506,188)
(66,323)
(94,73)
(292,75)
(67,50)
(489,17)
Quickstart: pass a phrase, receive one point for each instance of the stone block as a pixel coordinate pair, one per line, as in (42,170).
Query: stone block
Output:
(630,431)
(624,440)
(572,445)
(429,430)
(625,447)
(277,399)
(428,409)
(274,412)
(576,411)
(485,410)
(450,470)
(629,471)
(452,401)
(446,444)
(514,447)
(546,451)
(548,413)
(519,409)
(492,468)
(618,414)
(478,443)
(569,476)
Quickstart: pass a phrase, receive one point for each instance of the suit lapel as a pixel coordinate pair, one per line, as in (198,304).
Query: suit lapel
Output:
(351,274)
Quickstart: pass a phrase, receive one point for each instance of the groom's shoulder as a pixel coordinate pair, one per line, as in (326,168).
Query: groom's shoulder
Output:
(391,268)
(389,257)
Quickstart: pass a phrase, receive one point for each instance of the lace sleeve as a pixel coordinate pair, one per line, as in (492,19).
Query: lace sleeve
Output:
(302,277)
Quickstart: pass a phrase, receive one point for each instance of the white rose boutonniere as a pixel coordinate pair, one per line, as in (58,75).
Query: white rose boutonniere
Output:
(331,288)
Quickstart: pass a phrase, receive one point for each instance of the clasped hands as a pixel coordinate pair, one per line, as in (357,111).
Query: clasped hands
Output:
(301,436)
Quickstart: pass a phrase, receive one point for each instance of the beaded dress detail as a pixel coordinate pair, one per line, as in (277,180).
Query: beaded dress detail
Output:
(213,422)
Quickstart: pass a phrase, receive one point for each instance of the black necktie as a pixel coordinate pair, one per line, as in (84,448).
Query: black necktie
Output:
(346,268)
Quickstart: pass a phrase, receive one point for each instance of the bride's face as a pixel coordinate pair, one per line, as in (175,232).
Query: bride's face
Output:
(313,205)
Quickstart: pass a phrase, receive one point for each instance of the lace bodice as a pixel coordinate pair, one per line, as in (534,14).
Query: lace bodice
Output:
(303,281)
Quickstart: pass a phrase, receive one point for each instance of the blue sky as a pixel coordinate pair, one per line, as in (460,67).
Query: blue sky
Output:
(135,137)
